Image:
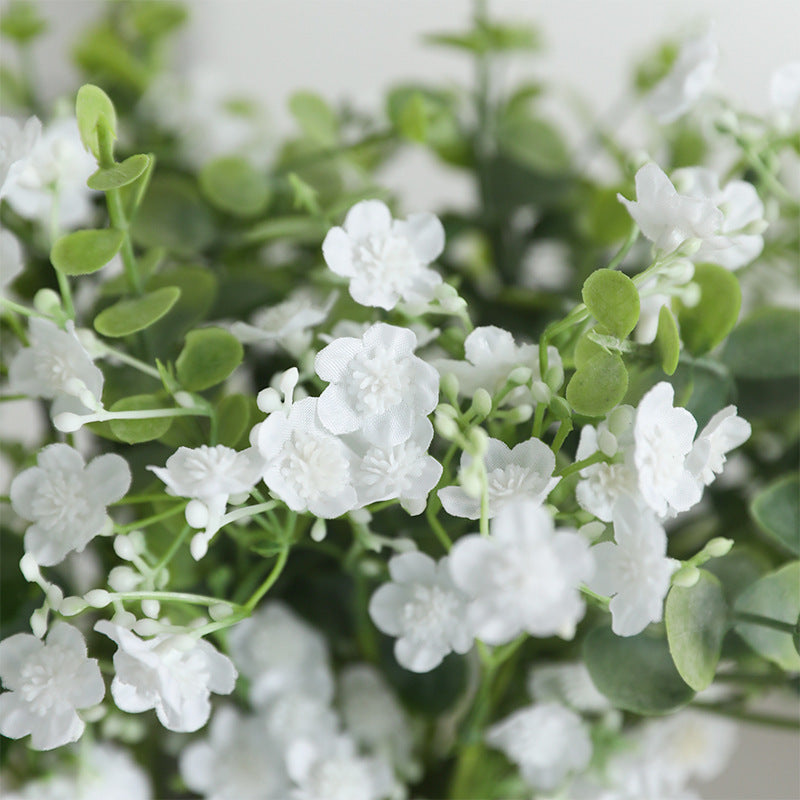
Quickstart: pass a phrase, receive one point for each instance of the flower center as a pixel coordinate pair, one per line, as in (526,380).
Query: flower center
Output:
(60,501)
(430,613)
(395,467)
(315,465)
(388,260)
(376,382)
(43,679)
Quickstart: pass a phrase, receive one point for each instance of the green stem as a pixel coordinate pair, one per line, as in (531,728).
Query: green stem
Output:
(270,579)
(171,597)
(766,622)
(147,521)
(20,309)
(66,294)
(132,361)
(595,458)
(626,247)
(564,430)
(538,420)
(750,716)
(173,548)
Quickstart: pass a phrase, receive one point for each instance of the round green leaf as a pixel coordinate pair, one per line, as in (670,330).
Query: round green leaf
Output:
(776,595)
(613,300)
(776,510)
(129,316)
(207,358)
(93,107)
(765,345)
(586,349)
(696,619)
(83,252)
(134,431)
(21,21)
(705,325)
(598,385)
(315,118)
(232,184)
(233,413)
(668,343)
(294,228)
(532,142)
(607,220)
(120,174)
(635,673)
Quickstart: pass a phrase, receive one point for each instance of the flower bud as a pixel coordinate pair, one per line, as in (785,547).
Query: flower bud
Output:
(124,619)
(687,576)
(449,386)
(198,547)
(124,548)
(519,376)
(718,547)
(447,410)
(220,611)
(479,441)
(47,302)
(29,568)
(756,227)
(677,272)
(70,606)
(592,530)
(471,483)
(607,443)
(151,608)
(319,530)
(97,598)
(268,400)
(93,714)
(541,392)
(123,579)
(690,246)
(147,627)
(445,426)
(39,622)
(619,421)
(520,414)
(196,514)
(554,377)
(481,403)
(54,595)
(67,422)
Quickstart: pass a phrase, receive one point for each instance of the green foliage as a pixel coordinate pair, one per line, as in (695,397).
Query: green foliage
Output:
(776,510)
(487,38)
(235,415)
(293,228)
(598,385)
(129,316)
(315,117)
(198,287)
(83,252)
(607,220)
(667,342)
(208,357)
(636,673)
(21,22)
(232,184)
(696,619)
(155,18)
(655,67)
(613,300)
(776,596)
(532,142)
(765,345)
(119,175)
(706,324)
(135,431)
(93,108)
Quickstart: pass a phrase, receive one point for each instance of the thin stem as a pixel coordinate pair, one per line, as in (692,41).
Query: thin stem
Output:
(147,521)
(750,716)
(132,361)
(66,294)
(173,597)
(626,247)
(173,548)
(564,430)
(270,579)
(538,420)
(248,511)
(595,458)
(20,309)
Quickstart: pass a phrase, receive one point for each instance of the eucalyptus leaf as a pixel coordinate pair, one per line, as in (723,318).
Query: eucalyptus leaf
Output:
(93,107)
(776,510)
(127,172)
(636,673)
(234,412)
(765,345)
(667,341)
(208,357)
(83,252)
(134,431)
(696,619)
(128,316)
(613,300)
(232,184)
(598,385)
(585,349)
(294,228)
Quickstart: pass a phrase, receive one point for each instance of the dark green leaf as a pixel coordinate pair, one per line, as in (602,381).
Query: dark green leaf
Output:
(233,185)
(233,415)
(776,510)
(198,287)
(120,174)
(134,431)
(613,300)
(598,385)
(129,316)
(209,356)
(607,220)
(765,345)
(83,252)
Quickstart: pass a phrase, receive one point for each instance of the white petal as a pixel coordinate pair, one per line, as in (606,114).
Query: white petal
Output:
(368,218)
(337,250)
(413,567)
(109,478)
(426,234)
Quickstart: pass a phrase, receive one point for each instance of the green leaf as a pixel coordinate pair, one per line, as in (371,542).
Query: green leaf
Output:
(776,510)
(667,342)
(607,220)
(83,252)
(129,316)
(315,118)
(613,300)
(765,345)
(233,185)
(155,18)
(706,324)
(485,38)
(209,356)
(293,228)
(93,107)
(130,170)
(598,385)
(655,67)
(775,595)
(21,22)
(696,619)
(532,142)
(234,414)
(586,348)
(102,51)
(636,673)
(134,431)
(198,287)
(173,216)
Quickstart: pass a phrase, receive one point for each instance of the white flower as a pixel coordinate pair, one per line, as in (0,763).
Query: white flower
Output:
(490,356)
(386,260)
(374,718)
(725,431)
(424,609)
(522,473)
(784,87)
(287,324)
(546,740)
(405,470)
(55,366)
(294,714)
(108,771)
(238,761)
(307,467)
(175,675)
(331,769)
(11,263)
(667,218)
(687,80)
(742,211)
(66,500)
(16,143)
(663,439)
(210,475)
(280,655)
(525,577)
(635,571)
(377,384)
(567,683)
(52,178)
(48,681)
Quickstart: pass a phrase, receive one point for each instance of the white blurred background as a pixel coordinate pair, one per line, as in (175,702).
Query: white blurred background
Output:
(354,49)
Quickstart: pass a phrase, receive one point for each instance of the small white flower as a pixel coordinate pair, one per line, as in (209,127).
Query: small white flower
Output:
(742,209)
(16,144)
(386,260)
(667,218)
(11,263)
(724,432)
(332,769)
(106,771)
(567,683)
(522,473)
(56,366)
(175,675)
(66,500)
(405,470)
(48,681)
(635,572)
(663,439)
(377,384)
(687,80)
(546,740)
(525,577)
(294,714)
(281,655)
(52,178)
(238,761)
(424,609)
